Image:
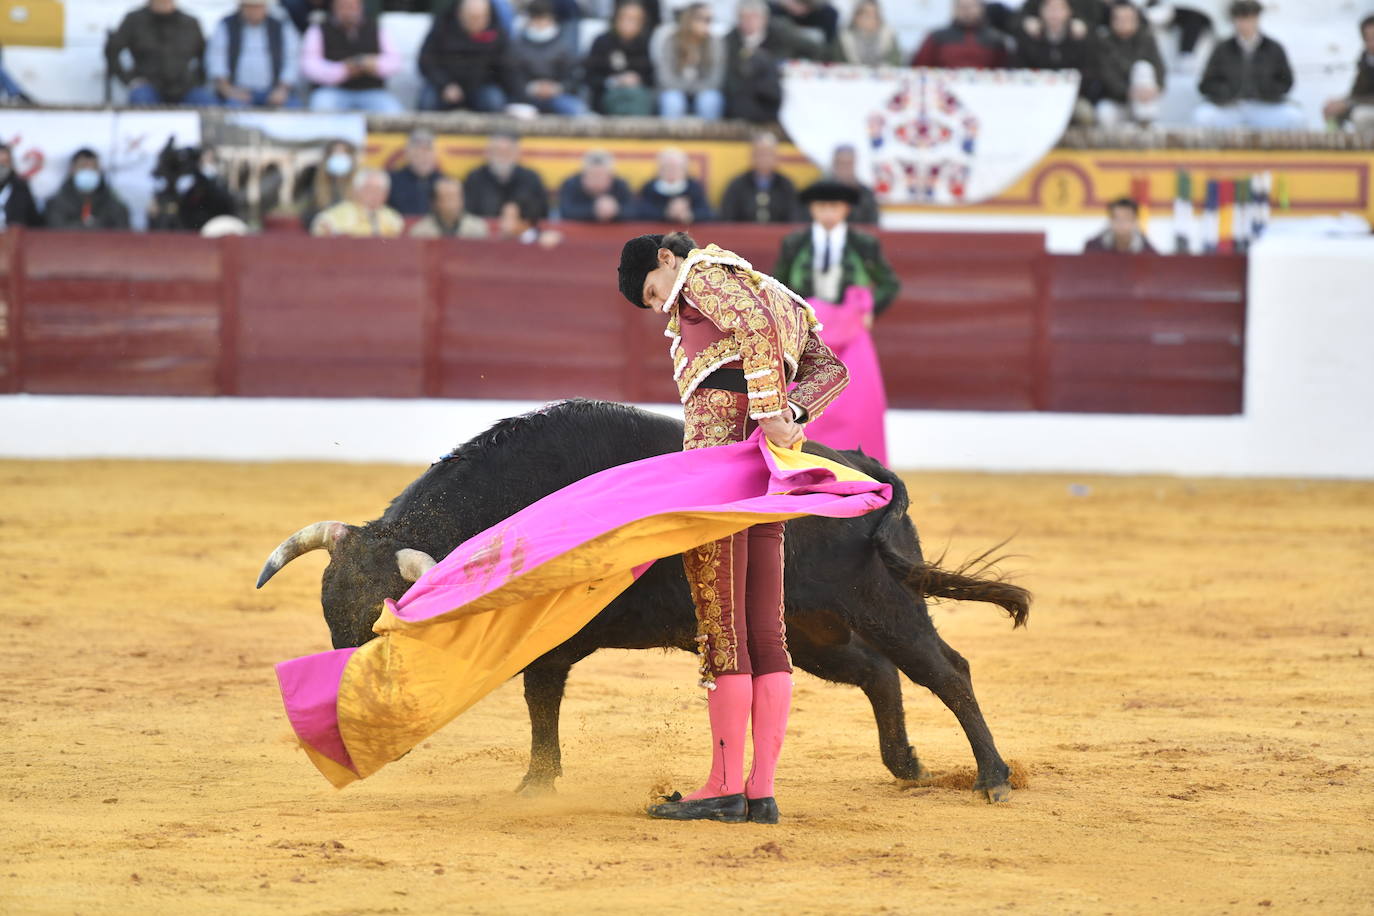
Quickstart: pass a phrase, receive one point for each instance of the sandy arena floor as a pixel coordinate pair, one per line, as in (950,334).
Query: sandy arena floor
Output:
(1192,703)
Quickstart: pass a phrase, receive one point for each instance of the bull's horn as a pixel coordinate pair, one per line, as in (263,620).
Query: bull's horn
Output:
(319,536)
(413,563)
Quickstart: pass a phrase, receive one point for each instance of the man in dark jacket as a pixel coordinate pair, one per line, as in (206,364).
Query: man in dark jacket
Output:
(463,60)
(968,42)
(1123,234)
(17,207)
(412,185)
(168,52)
(1129,71)
(1057,41)
(828,257)
(349,57)
(673,196)
(595,194)
(502,179)
(1358,106)
(85,201)
(844,169)
(762,194)
(754,50)
(544,69)
(1247,79)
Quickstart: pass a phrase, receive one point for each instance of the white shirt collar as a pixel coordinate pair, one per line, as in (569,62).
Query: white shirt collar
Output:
(835,237)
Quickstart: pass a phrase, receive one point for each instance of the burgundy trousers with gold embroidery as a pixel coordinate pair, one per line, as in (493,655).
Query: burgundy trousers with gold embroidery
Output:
(736,581)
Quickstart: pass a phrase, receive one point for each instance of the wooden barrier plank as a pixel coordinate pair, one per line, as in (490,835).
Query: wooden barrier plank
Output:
(330,317)
(11,275)
(120,314)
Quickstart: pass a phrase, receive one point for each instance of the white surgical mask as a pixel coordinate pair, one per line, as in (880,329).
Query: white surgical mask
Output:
(338,164)
(86,180)
(210,171)
(541,33)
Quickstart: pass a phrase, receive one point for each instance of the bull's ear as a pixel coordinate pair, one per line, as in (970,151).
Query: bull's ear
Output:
(413,563)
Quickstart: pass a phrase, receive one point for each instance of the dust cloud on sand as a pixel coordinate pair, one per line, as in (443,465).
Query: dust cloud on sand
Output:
(1190,712)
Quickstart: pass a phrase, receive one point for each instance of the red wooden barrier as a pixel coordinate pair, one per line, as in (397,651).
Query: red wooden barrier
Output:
(984,321)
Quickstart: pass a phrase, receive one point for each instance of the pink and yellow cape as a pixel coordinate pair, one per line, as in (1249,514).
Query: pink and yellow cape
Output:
(508,595)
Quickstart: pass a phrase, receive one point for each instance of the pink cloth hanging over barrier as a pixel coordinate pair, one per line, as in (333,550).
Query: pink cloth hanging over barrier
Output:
(855,418)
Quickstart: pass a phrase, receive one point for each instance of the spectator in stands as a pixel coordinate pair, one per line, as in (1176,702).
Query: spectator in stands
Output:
(327,183)
(463,60)
(1130,71)
(755,49)
(1122,235)
(1247,79)
(447,219)
(502,179)
(842,169)
(167,50)
(303,12)
(365,214)
(349,58)
(1057,41)
(868,41)
(1092,13)
(254,58)
(412,185)
(619,72)
(595,194)
(85,200)
(673,196)
(189,190)
(543,64)
(762,194)
(17,206)
(518,223)
(815,14)
(1358,106)
(689,66)
(967,42)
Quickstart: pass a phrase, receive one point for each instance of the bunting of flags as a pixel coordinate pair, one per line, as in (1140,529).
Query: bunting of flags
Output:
(1235,212)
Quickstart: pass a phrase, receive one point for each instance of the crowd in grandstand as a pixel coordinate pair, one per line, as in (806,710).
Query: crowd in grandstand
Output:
(339,196)
(673,58)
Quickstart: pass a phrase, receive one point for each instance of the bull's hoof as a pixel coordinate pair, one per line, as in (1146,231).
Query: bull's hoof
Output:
(915,776)
(535,786)
(995,794)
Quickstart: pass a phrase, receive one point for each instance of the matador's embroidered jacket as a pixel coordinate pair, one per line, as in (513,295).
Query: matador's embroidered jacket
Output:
(722,311)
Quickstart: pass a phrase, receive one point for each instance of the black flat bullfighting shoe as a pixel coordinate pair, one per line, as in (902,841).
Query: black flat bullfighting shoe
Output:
(763,810)
(731,809)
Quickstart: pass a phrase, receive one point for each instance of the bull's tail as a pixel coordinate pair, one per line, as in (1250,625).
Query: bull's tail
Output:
(976,580)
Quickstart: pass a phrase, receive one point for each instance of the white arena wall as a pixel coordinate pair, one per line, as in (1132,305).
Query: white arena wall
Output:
(1308,392)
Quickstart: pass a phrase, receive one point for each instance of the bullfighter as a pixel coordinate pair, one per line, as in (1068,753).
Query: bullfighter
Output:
(739,340)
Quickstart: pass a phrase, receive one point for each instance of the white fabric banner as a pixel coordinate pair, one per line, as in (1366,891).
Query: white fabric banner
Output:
(928,136)
(128,143)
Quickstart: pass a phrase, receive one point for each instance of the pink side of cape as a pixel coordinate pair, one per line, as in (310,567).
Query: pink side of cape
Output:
(855,418)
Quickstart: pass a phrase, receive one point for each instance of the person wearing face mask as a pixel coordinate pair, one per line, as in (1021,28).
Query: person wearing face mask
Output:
(197,196)
(17,206)
(167,49)
(502,179)
(326,184)
(463,60)
(543,65)
(85,201)
(673,196)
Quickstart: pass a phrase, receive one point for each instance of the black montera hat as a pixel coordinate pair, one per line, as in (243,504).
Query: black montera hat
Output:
(637,259)
(826,190)
(1243,8)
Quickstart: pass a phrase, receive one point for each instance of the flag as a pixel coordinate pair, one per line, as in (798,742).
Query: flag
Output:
(1184,217)
(1226,217)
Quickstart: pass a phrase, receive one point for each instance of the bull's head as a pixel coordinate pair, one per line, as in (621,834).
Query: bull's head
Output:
(364,570)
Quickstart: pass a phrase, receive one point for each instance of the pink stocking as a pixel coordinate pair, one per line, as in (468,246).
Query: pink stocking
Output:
(772,699)
(729,708)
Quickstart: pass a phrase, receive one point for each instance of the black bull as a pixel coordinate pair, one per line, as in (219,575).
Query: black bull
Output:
(856,588)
